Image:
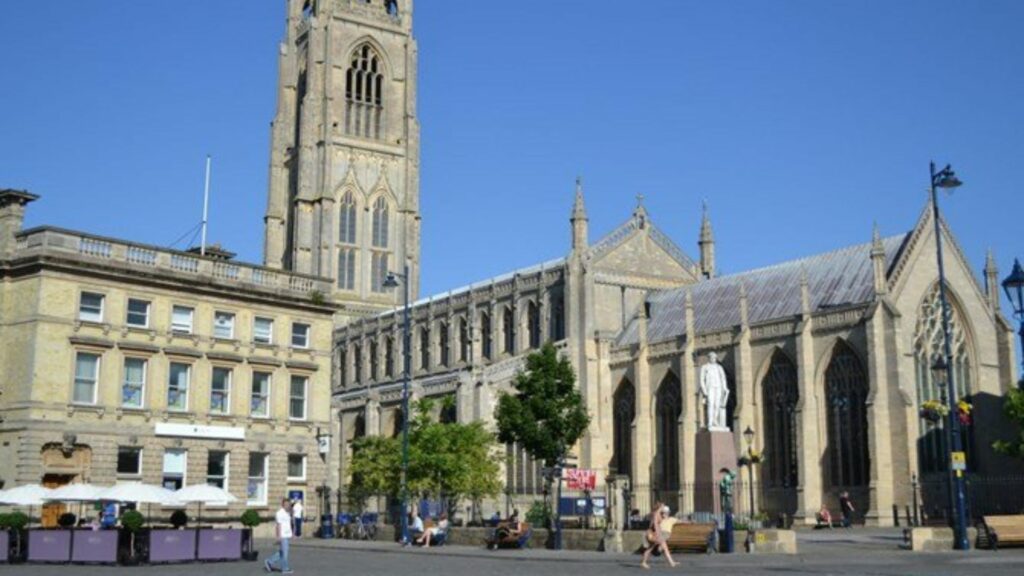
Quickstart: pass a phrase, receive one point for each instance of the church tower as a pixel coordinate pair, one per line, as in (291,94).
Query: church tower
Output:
(344,160)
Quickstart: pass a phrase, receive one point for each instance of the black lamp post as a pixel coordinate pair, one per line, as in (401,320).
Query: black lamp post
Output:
(947,179)
(748,435)
(392,281)
(1014,287)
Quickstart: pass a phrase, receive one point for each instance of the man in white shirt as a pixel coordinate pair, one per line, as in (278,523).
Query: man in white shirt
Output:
(297,516)
(283,532)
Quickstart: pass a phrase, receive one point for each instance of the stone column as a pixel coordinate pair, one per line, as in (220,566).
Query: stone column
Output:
(643,438)
(809,445)
(882,483)
(689,415)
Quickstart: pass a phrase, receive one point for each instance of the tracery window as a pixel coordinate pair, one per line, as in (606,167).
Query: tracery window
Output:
(364,94)
(442,336)
(381,215)
(509,330)
(424,348)
(533,324)
(669,408)
(357,364)
(389,357)
(347,238)
(780,394)
(464,343)
(846,394)
(929,347)
(558,320)
(373,360)
(622,430)
(486,336)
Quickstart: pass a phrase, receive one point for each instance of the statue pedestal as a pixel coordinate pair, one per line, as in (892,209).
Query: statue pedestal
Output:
(715,450)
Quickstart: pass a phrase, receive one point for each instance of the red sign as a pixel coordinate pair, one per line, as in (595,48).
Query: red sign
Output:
(580,479)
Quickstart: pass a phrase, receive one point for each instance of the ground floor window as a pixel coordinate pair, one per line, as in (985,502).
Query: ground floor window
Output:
(256,494)
(129,461)
(296,467)
(175,465)
(217,469)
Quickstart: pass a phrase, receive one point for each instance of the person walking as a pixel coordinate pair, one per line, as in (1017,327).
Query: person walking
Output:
(283,533)
(297,515)
(846,507)
(656,538)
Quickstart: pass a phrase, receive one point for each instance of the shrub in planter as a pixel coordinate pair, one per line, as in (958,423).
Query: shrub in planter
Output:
(132,521)
(66,520)
(250,519)
(179,518)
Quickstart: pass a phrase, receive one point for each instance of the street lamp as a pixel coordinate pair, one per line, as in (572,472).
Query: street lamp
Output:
(748,435)
(947,179)
(392,281)
(323,444)
(1014,287)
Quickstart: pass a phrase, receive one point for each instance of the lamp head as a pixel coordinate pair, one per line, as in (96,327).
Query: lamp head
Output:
(939,370)
(748,435)
(1014,287)
(391,281)
(947,178)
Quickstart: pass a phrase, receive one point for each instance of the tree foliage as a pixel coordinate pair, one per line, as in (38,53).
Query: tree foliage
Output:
(448,460)
(546,415)
(1013,407)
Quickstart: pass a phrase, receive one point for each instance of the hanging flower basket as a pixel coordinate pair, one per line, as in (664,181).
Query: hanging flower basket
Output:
(964,409)
(752,457)
(933,411)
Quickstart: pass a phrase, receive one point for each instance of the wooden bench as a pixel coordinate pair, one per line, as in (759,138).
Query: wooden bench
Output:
(503,537)
(692,538)
(1005,530)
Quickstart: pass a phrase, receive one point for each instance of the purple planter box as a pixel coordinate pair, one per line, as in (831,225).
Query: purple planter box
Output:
(49,546)
(172,546)
(95,546)
(5,546)
(223,544)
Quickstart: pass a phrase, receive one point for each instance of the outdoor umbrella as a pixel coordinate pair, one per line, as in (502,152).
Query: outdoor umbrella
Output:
(25,495)
(203,494)
(139,493)
(76,493)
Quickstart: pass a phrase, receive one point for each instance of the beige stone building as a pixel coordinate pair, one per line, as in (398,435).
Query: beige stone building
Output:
(123,361)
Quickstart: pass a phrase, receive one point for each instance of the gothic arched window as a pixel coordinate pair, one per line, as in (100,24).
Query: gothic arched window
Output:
(558,320)
(347,219)
(381,214)
(669,408)
(486,336)
(846,394)
(780,392)
(343,367)
(364,98)
(373,360)
(533,324)
(442,338)
(347,237)
(424,348)
(379,262)
(624,409)
(509,330)
(357,364)
(463,340)
(389,357)
(929,347)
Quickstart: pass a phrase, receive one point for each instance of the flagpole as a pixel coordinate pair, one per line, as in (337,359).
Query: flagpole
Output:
(206,207)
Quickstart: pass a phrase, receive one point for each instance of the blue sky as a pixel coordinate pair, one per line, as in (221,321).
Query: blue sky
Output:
(800,122)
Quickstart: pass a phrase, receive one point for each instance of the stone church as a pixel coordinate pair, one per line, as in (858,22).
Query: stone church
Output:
(827,356)
(176,366)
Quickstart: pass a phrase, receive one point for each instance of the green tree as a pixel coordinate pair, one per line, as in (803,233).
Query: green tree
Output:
(1013,407)
(546,415)
(448,460)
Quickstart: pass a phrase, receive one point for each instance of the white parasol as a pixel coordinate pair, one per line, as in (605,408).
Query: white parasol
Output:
(139,493)
(203,494)
(25,495)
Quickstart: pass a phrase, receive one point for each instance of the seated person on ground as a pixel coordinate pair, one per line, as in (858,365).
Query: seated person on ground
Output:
(824,516)
(434,531)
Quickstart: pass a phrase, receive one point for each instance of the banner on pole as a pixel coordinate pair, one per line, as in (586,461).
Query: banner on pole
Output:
(580,479)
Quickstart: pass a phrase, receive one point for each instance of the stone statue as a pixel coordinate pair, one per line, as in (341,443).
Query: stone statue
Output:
(714,390)
(725,490)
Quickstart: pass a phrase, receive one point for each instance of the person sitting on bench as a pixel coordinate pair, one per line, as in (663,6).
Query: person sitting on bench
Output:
(434,531)
(824,516)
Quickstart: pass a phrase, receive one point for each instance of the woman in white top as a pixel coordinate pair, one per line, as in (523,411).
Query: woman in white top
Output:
(434,531)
